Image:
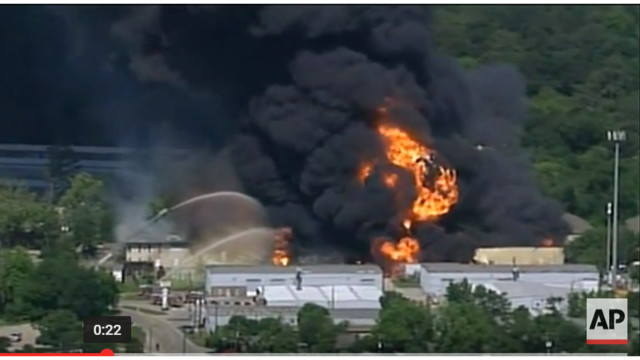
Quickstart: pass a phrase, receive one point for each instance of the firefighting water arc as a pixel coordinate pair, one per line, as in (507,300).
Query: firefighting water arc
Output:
(436,188)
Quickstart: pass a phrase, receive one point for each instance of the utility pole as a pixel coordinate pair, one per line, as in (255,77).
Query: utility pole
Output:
(616,136)
(608,272)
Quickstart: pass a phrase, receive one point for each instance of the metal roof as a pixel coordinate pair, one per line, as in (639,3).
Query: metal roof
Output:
(307,269)
(478,268)
(519,289)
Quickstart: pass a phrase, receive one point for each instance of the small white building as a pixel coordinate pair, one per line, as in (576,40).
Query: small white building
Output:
(436,277)
(165,253)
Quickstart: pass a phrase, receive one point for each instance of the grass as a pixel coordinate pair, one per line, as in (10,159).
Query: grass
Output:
(185,284)
(128,286)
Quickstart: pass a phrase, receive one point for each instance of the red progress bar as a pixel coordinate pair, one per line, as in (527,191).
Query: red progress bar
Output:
(105,352)
(606,342)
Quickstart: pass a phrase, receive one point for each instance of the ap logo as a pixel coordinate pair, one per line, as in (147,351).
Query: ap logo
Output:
(607,321)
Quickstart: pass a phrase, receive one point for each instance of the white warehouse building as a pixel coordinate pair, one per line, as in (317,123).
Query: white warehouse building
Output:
(530,286)
(436,277)
(350,292)
(225,281)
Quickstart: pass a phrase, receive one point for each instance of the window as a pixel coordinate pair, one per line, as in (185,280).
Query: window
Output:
(277,280)
(368,280)
(253,280)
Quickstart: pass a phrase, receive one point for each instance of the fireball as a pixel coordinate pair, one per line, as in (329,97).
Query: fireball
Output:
(436,185)
(405,251)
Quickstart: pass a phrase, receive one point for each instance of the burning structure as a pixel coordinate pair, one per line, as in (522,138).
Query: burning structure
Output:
(356,132)
(281,248)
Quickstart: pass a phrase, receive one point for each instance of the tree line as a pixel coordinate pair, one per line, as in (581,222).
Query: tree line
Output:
(581,67)
(43,241)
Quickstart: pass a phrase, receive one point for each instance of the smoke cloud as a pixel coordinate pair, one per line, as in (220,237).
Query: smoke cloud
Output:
(300,86)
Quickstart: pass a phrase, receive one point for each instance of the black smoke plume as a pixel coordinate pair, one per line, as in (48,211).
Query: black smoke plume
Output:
(301,85)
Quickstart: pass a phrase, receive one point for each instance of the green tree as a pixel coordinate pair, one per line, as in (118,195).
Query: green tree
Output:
(87,212)
(467,328)
(274,336)
(59,282)
(590,248)
(60,329)
(62,165)
(24,219)
(316,329)
(16,270)
(582,75)
(403,326)
(5,344)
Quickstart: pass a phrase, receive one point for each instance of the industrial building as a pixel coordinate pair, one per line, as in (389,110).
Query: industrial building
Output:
(436,277)
(164,253)
(29,163)
(528,285)
(245,280)
(520,256)
(351,293)
(359,320)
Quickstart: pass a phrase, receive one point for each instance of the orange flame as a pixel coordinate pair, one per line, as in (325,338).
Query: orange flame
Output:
(405,251)
(281,254)
(548,242)
(431,202)
(403,151)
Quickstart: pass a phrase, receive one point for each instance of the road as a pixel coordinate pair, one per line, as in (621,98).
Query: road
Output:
(161,331)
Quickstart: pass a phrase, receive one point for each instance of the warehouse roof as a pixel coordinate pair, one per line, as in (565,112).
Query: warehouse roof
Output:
(308,269)
(338,296)
(470,268)
(520,289)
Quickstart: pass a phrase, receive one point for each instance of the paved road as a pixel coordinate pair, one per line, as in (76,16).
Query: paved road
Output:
(161,331)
